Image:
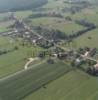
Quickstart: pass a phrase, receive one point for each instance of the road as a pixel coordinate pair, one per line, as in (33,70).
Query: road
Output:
(29,62)
(22,71)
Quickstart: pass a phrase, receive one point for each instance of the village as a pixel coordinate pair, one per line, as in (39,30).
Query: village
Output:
(77,57)
(49,50)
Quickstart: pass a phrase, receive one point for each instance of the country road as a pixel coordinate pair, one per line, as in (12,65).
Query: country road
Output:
(22,71)
(29,62)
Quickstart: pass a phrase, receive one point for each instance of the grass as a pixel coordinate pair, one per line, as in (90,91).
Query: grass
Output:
(58,23)
(28,85)
(75,85)
(20,85)
(23,14)
(89,15)
(3,15)
(3,29)
(15,60)
(84,40)
(4,26)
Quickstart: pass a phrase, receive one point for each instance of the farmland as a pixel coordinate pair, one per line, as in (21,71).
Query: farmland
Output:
(34,77)
(89,15)
(75,85)
(85,41)
(63,36)
(15,60)
(57,23)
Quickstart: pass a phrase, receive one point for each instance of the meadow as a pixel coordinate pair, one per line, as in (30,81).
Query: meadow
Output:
(63,25)
(89,39)
(16,59)
(89,15)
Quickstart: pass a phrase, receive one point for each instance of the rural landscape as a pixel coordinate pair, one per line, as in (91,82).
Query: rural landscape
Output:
(48,49)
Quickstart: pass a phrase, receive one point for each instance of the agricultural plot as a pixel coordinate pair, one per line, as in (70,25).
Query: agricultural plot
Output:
(23,14)
(23,83)
(3,29)
(44,80)
(89,15)
(15,59)
(57,23)
(75,85)
(53,4)
(90,39)
(3,15)
(4,26)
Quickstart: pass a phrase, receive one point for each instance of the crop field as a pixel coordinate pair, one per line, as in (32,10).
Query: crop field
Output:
(75,85)
(58,23)
(23,83)
(47,78)
(3,15)
(89,39)
(56,5)
(16,59)
(23,14)
(53,4)
(4,26)
(3,29)
(89,15)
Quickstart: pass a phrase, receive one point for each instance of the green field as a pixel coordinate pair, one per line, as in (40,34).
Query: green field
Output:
(20,85)
(23,14)
(4,26)
(89,15)
(42,80)
(3,29)
(15,60)
(84,40)
(75,85)
(57,23)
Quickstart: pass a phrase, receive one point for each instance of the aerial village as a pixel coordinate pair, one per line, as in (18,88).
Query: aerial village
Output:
(49,50)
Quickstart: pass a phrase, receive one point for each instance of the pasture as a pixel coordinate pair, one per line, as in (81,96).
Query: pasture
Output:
(4,26)
(22,14)
(89,15)
(15,60)
(89,39)
(63,25)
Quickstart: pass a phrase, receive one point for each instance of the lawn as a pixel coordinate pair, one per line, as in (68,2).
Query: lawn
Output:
(75,85)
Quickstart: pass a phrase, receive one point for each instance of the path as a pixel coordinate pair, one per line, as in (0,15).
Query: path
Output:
(29,62)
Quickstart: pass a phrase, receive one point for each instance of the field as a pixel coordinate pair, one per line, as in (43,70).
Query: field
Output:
(75,85)
(23,83)
(15,60)
(53,4)
(4,26)
(89,15)
(57,23)
(84,40)
(23,14)
(43,80)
